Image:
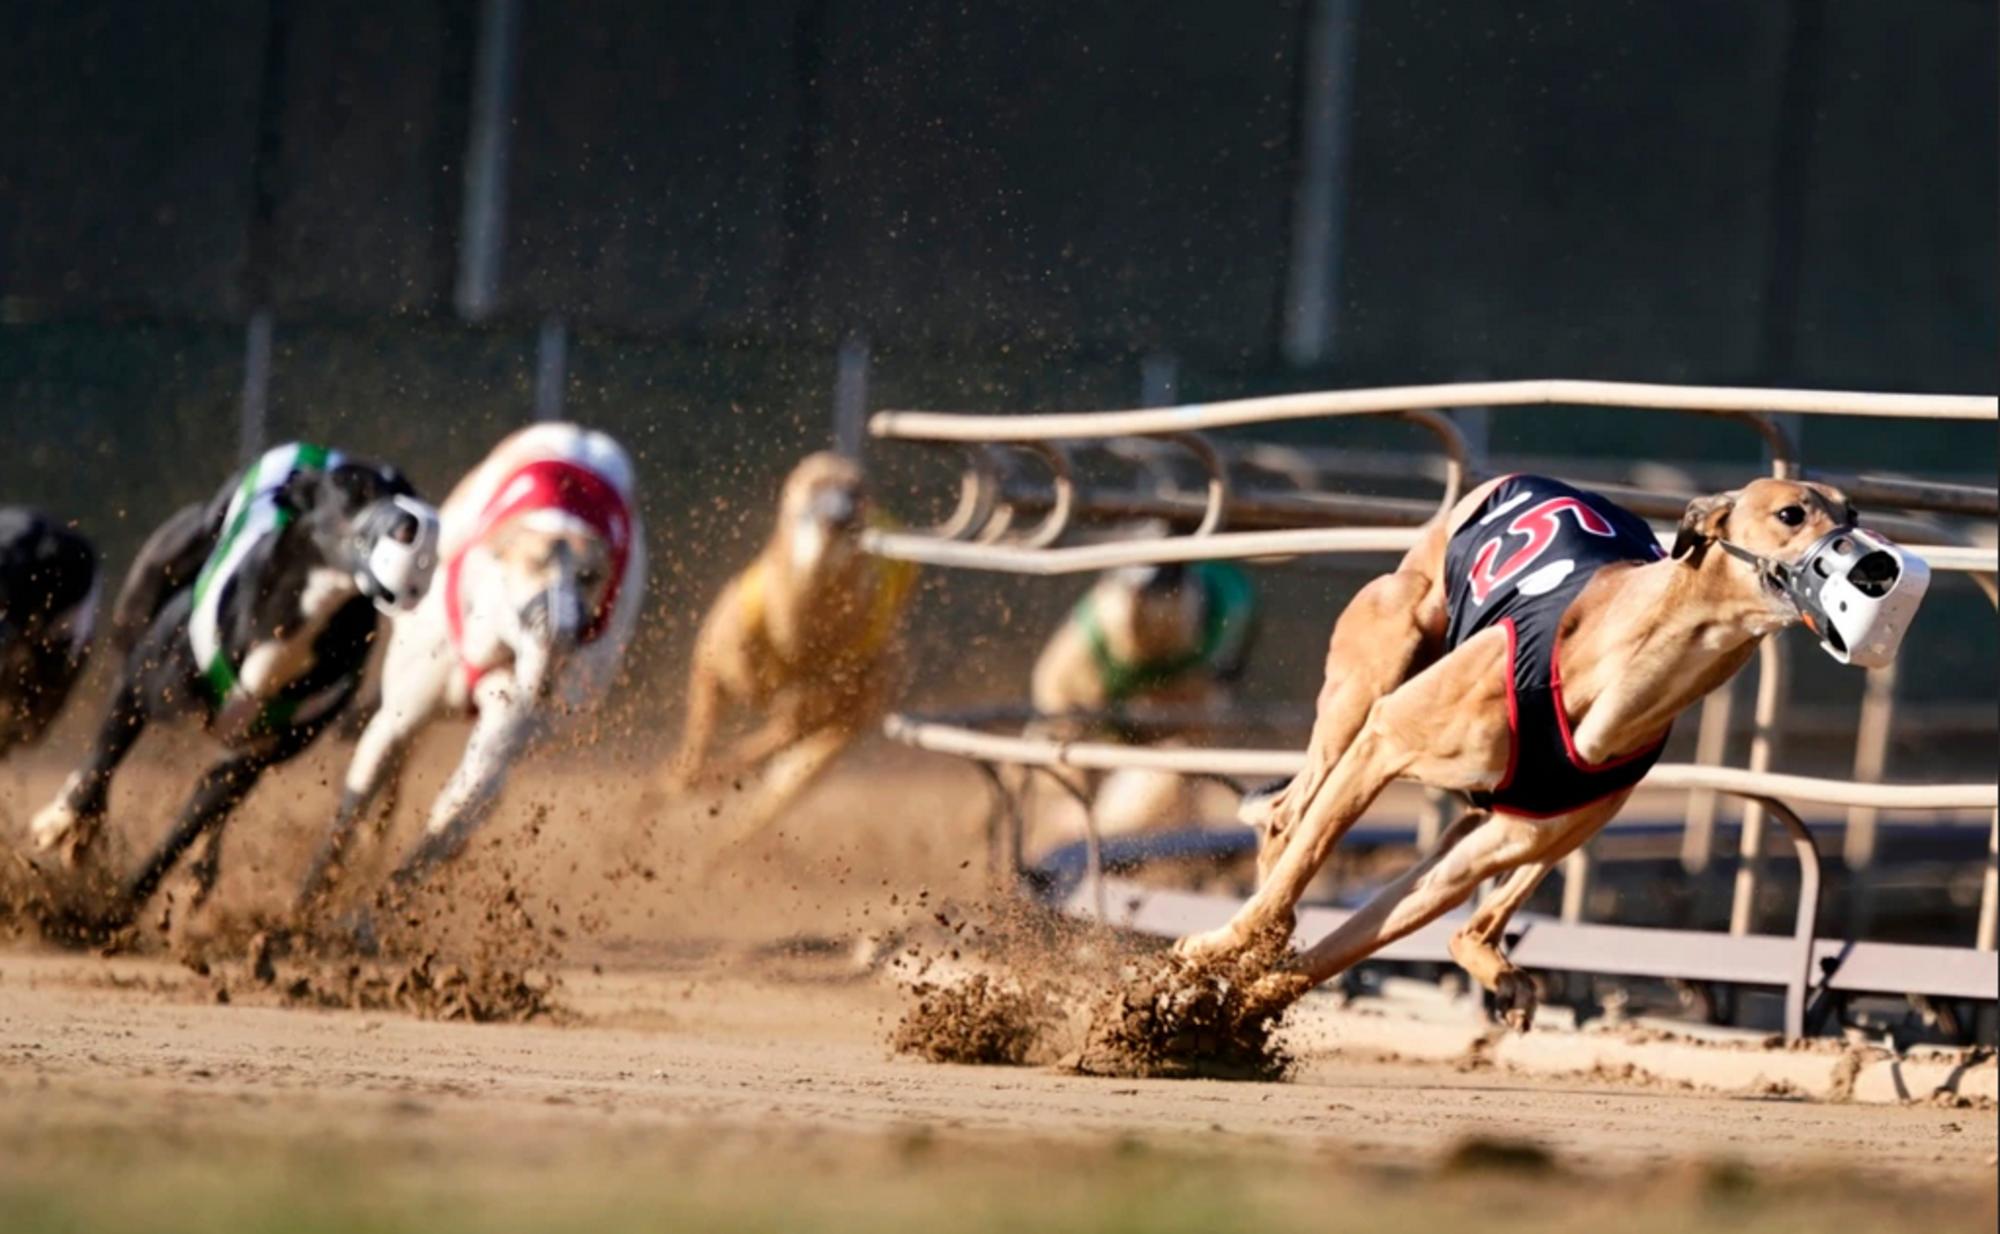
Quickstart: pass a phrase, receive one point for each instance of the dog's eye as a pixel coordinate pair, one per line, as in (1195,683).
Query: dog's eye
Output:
(1792,516)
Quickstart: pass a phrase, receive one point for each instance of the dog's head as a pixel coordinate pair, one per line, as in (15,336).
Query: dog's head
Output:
(366,519)
(1855,590)
(556,571)
(1159,605)
(821,512)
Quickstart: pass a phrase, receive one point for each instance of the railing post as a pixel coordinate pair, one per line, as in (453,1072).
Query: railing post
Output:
(1763,748)
(1577,869)
(1871,757)
(1805,922)
(1711,746)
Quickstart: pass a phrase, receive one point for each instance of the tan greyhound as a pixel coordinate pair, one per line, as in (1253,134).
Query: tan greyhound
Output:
(1533,650)
(809,634)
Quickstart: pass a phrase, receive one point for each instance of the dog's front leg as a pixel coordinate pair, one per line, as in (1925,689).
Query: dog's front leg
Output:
(508,724)
(1476,945)
(378,764)
(1371,761)
(704,708)
(72,820)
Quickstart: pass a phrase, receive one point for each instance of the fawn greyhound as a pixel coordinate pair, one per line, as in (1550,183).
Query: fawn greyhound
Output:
(1532,651)
(809,634)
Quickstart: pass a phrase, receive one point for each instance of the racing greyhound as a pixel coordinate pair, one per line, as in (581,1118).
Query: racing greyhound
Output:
(808,633)
(1167,634)
(1532,651)
(253,613)
(544,573)
(48,604)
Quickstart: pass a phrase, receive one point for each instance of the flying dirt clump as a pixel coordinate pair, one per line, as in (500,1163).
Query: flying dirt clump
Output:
(1183,1019)
(978,1020)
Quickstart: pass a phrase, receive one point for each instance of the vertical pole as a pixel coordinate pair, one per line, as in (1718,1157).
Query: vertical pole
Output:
(483,219)
(1319,202)
(850,395)
(1763,748)
(1159,379)
(1576,883)
(1989,890)
(1871,757)
(253,413)
(1711,745)
(551,367)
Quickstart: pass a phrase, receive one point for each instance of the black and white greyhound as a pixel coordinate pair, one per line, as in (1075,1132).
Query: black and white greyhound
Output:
(48,603)
(253,613)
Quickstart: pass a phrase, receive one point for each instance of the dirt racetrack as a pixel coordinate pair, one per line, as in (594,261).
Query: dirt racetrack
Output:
(719,1061)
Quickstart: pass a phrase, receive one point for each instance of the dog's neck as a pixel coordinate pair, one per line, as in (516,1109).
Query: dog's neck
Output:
(1649,641)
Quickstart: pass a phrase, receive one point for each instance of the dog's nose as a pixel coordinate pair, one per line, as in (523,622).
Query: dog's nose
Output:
(404,529)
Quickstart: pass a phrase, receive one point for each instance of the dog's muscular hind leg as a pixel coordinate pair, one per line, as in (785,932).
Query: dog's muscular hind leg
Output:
(1383,636)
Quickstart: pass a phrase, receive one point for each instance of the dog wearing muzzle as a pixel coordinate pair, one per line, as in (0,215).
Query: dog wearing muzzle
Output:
(542,577)
(253,614)
(1167,635)
(48,605)
(809,636)
(1532,652)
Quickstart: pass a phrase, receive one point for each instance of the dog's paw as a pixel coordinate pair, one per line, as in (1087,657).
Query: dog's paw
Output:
(1209,944)
(1515,999)
(60,826)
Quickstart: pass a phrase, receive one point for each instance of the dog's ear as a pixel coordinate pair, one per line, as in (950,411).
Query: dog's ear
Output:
(1701,523)
(354,485)
(304,491)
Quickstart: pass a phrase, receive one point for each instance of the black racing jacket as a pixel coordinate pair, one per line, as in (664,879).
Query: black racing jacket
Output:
(1517,563)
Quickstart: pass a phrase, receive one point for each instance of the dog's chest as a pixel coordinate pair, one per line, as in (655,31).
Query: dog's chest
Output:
(290,651)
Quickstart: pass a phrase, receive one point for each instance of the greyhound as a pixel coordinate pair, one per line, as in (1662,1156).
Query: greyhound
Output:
(544,574)
(48,605)
(809,633)
(253,613)
(1165,634)
(1532,651)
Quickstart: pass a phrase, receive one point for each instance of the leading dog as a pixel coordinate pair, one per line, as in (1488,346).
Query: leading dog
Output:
(1532,651)
(809,635)
(544,574)
(253,613)
(48,605)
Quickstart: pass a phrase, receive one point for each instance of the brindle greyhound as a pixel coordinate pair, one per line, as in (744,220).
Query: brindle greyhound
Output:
(253,613)
(1532,650)
(48,600)
(808,634)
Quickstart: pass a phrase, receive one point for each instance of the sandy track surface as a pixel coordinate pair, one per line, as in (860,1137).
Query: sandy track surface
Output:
(716,1031)
(748,1042)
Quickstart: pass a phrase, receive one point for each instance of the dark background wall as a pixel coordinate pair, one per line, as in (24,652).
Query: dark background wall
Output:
(1012,201)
